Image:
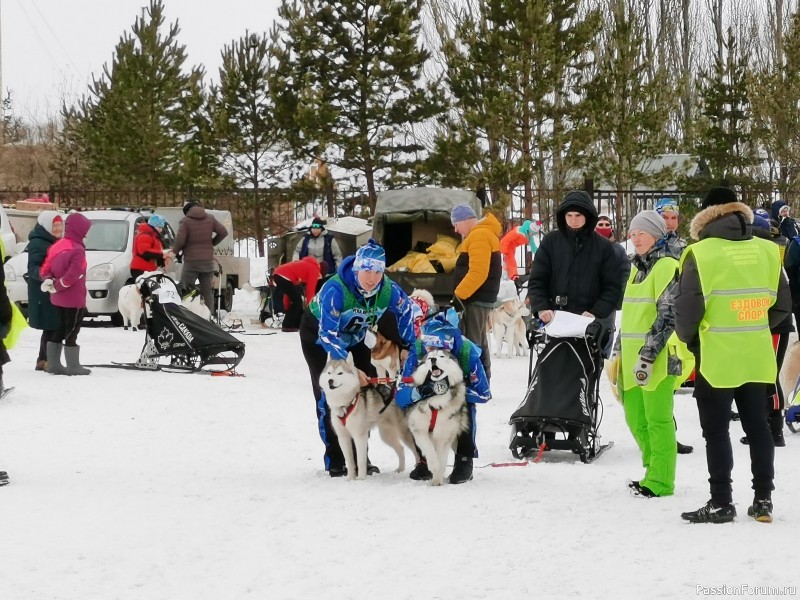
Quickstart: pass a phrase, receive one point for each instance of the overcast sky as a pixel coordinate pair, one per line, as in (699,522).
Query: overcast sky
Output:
(50,48)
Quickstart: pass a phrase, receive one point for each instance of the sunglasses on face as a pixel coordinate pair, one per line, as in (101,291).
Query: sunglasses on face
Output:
(603,225)
(316,227)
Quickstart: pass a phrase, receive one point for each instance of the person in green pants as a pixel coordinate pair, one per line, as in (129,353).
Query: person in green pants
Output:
(646,355)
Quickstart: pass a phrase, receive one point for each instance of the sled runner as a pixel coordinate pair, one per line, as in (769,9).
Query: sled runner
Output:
(562,409)
(176,339)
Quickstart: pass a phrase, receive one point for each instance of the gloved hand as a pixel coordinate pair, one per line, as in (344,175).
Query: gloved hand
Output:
(458,304)
(642,371)
(48,286)
(5,328)
(612,369)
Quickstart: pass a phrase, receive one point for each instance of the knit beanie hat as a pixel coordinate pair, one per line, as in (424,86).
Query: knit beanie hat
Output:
(462,212)
(667,205)
(46,219)
(370,257)
(189,205)
(650,222)
(719,195)
(762,213)
(156,221)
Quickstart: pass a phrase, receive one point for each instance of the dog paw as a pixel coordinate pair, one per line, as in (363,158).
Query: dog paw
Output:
(362,477)
(437,481)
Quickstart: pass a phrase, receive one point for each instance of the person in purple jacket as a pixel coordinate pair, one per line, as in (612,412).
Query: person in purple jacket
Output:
(64,277)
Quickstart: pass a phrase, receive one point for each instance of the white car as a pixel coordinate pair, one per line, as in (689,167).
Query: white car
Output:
(7,235)
(109,249)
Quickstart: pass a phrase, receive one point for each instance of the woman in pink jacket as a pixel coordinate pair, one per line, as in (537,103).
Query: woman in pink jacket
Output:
(64,277)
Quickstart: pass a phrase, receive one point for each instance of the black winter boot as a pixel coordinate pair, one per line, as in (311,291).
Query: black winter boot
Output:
(761,511)
(72,354)
(54,365)
(4,478)
(462,470)
(421,472)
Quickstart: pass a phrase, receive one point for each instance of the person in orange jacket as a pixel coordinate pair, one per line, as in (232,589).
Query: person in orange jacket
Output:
(477,274)
(287,277)
(516,237)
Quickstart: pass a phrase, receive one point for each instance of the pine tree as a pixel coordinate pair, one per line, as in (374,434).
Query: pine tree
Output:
(512,68)
(141,123)
(249,135)
(627,107)
(349,85)
(725,139)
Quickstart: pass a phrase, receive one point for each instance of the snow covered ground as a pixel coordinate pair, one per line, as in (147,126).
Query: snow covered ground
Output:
(131,485)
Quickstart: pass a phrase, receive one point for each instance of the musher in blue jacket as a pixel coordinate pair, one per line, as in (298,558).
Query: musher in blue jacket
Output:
(336,323)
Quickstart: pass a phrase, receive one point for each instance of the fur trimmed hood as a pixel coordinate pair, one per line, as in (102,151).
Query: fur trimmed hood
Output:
(707,216)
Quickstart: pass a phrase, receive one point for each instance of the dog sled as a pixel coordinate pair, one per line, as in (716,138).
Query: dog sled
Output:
(562,409)
(178,340)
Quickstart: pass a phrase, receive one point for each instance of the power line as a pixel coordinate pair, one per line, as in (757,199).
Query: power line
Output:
(58,41)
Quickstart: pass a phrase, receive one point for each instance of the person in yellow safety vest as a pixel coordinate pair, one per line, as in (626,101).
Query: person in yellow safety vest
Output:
(644,361)
(731,291)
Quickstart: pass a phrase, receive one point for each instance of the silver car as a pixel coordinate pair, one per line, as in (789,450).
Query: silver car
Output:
(109,249)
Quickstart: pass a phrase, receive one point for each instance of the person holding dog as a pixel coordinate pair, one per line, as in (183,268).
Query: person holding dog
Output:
(288,278)
(644,367)
(477,275)
(197,235)
(731,291)
(41,313)
(63,276)
(338,321)
(441,332)
(148,251)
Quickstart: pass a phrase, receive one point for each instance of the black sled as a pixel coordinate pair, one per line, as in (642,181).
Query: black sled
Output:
(562,408)
(177,339)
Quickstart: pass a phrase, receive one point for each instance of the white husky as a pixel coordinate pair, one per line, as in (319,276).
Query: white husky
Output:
(355,411)
(508,327)
(437,420)
(130,306)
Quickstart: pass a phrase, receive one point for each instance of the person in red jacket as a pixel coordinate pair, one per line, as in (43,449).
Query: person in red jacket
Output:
(287,277)
(148,252)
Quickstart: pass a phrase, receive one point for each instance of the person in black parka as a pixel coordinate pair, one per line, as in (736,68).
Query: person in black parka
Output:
(41,313)
(575,268)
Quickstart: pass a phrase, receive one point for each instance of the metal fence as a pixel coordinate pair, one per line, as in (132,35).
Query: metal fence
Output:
(273,212)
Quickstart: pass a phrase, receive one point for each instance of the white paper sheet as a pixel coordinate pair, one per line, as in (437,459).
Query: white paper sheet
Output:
(567,324)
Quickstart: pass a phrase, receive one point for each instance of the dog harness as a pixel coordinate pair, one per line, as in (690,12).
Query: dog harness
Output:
(349,409)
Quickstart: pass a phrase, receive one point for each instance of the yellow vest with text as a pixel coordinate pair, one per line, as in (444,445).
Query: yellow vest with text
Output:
(639,312)
(739,281)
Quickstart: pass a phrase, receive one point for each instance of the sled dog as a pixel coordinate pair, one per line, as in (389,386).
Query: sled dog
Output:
(441,415)
(354,411)
(197,305)
(130,306)
(508,328)
(386,357)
